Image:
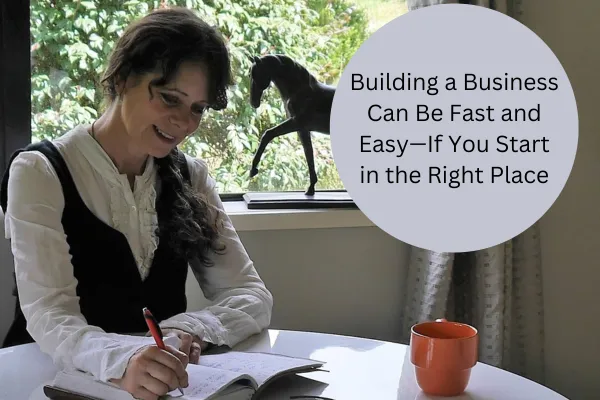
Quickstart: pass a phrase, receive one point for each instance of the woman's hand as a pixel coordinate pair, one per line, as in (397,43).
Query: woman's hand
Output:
(153,372)
(191,345)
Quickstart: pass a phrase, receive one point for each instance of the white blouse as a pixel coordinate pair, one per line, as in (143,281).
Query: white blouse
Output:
(241,304)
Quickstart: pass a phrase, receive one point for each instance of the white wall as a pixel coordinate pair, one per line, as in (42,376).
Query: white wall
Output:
(571,228)
(341,280)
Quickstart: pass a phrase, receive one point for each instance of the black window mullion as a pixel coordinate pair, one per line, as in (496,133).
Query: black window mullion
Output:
(15,78)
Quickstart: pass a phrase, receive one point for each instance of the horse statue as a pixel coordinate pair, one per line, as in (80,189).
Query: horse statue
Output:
(307,104)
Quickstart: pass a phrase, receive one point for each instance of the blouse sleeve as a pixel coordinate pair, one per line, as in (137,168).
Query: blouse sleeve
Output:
(241,305)
(45,279)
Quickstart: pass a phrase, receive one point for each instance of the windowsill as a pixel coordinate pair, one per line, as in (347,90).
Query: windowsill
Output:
(245,219)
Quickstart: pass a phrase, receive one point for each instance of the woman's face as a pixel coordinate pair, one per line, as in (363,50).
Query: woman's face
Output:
(160,119)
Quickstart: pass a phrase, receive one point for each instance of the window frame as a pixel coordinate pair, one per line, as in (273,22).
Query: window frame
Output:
(15,86)
(15,78)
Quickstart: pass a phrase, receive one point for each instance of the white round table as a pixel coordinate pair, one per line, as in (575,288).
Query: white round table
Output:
(358,368)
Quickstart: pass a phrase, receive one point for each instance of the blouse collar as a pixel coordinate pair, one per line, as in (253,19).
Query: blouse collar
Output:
(99,159)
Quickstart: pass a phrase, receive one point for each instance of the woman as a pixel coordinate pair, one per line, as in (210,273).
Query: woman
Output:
(106,219)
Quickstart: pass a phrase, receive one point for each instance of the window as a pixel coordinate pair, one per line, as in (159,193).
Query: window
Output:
(70,41)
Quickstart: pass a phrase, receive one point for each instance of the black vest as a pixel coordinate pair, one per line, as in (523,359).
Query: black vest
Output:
(110,289)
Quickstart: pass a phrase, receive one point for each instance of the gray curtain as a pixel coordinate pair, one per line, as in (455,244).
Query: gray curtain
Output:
(498,290)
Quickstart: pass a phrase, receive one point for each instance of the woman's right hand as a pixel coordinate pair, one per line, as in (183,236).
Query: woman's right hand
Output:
(153,372)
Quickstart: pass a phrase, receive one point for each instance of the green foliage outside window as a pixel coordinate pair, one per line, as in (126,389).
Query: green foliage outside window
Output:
(71,42)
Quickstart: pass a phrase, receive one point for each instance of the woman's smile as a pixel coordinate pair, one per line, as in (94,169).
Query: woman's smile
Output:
(163,135)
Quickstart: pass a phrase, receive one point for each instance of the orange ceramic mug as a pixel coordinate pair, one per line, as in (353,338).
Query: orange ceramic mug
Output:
(443,354)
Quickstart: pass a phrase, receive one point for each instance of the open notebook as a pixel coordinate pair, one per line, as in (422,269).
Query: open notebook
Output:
(232,375)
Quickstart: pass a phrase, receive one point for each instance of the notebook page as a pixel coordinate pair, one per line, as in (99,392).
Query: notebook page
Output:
(260,366)
(85,384)
(205,382)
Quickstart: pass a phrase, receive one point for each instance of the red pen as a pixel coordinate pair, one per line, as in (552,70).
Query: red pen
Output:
(156,332)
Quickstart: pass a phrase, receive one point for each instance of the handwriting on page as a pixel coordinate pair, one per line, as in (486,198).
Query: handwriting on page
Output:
(258,365)
(204,382)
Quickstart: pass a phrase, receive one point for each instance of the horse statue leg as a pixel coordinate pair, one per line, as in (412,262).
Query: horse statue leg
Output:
(306,141)
(287,126)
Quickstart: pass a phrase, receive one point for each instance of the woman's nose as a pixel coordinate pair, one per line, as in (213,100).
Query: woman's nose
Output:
(185,124)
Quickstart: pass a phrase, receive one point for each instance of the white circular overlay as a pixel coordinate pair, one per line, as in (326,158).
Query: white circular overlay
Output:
(454,128)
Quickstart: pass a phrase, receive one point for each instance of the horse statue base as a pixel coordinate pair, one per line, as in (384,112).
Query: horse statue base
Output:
(298,200)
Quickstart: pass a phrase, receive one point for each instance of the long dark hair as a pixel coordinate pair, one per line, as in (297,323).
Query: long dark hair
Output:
(163,40)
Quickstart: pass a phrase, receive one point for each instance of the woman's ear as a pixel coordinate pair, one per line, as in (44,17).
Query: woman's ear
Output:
(121,86)
(119,90)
